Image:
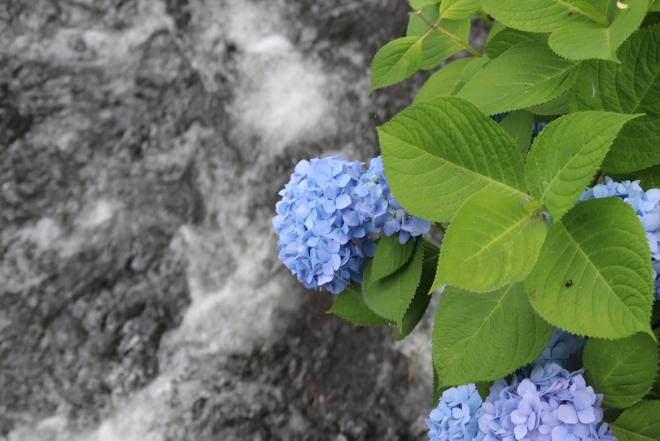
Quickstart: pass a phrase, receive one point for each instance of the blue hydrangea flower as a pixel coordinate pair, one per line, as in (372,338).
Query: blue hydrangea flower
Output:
(321,238)
(552,404)
(564,349)
(380,212)
(455,418)
(645,204)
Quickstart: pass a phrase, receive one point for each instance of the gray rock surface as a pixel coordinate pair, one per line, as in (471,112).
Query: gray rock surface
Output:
(142,145)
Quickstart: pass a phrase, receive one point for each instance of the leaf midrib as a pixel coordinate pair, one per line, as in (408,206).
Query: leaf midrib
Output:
(515,190)
(598,273)
(497,238)
(496,306)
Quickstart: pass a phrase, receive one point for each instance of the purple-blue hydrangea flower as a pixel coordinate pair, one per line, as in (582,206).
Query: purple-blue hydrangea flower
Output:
(645,204)
(455,418)
(564,349)
(321,238)
(380,212)
(552,404)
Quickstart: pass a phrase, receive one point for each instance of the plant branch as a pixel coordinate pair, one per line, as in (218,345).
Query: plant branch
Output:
(447,34)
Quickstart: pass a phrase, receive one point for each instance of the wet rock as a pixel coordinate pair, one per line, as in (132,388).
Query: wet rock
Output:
(142,146)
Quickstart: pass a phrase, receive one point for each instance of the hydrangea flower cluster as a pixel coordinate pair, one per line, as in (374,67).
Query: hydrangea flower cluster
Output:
(645,204)
(552,404)
(326,218)
(455,418)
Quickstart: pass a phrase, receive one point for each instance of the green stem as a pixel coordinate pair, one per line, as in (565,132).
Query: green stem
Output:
(455,38)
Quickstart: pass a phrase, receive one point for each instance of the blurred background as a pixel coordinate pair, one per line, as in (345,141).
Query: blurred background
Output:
(142,146)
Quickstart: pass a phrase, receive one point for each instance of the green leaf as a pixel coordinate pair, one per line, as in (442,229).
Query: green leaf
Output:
(520,125)
(444,82)
(567,154)
(483,387)
(623,370)
(493,240)
(422,298)
(396,61)
(482,337)
(437,389)
(631,87)
(546,15)
(639,423)
(525,75)
(506,39)
(655,6)
(586,40)
(557,106)
(438,154)
(350,306)
(391,296)
(594,276)
(437,47)
(390,256)
(455,9)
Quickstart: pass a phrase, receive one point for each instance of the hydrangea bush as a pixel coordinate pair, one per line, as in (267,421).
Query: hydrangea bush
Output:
(537,160)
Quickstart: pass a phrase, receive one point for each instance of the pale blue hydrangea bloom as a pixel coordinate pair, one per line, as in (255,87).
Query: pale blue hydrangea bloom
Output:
(321,238)
(552,404)
(645,204)
(378,209)
(455,418)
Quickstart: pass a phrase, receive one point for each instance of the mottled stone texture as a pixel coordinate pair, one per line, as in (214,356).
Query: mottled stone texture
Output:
(142,145)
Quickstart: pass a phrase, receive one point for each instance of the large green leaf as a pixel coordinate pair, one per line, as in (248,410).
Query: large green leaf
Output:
(350,306)
(594,275)
(631,87)
(396,61)
(436,46)
(639,423)
(444,82)
(585,40)
(546,15)
(622,370)
(655,6)
(525,75)
(455,9)
(390,297)
(567,154)
(493,240)
(520,125)
(390,255)
(481,337)
(438,154)
(422,298)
